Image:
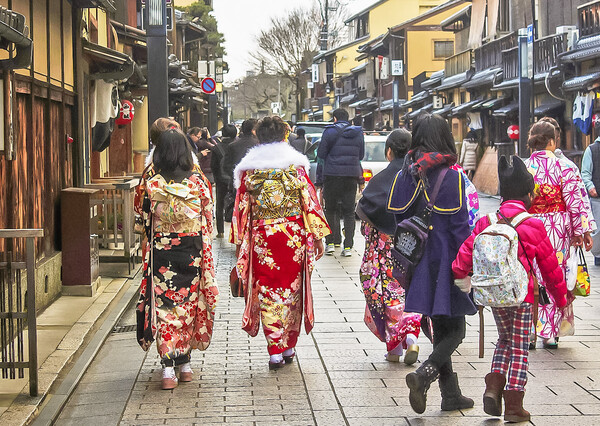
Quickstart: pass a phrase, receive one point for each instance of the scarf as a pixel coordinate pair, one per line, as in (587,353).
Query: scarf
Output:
(421,162)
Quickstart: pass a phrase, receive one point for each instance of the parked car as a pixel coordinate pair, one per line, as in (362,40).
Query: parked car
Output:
(314,129)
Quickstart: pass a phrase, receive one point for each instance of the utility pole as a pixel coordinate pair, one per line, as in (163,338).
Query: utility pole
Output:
(279,97)
(325,28)
(158,64)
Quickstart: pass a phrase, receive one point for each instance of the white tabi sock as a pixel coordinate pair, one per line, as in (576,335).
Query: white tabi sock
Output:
(289,352)
(185,368)
(411,339)
(276,359)
(169,373)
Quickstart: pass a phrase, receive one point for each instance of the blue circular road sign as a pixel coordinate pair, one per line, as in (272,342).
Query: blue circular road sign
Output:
(208,85)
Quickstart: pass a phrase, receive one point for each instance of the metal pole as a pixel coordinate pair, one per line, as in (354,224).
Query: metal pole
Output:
(396,109)
(158,63)
(534,31)
(279,96)
(31,319)
(525,91)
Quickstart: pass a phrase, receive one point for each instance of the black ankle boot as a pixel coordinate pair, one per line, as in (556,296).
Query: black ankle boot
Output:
(418,382)
(452,398)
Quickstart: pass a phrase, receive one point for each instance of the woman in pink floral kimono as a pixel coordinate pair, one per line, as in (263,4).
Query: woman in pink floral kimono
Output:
(558,202)
(278,226)
(178,292)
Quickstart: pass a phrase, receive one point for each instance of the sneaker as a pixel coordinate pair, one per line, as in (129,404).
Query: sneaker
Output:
(330,249)
(347,252)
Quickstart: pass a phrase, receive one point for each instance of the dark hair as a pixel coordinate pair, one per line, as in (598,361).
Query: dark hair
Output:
(248,125)
(357,120)
(172,152)
(229,131)
(194,131)
(204,133)
(471,135)
(399,142)
(431,133)
(159,126)
(540,134)
(300,132)
(271,129)
(556,127)
(340,114)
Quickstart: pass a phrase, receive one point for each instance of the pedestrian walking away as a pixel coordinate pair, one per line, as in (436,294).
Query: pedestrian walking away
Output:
(590,173)
(559,203)
(385,313)
(300,143)
(431,291)
(468,154)
(342,148)
(510,363)
(178,293)
(278,226)
(222,179)
(205,148)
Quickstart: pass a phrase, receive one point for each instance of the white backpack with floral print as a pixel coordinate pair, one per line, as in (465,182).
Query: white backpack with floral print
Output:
(499,278)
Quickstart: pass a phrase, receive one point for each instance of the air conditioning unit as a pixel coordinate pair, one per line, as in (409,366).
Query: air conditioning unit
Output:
(572,34)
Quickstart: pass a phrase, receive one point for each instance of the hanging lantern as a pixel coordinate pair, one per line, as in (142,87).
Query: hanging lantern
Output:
(126,113)
(596,120)
(513,132)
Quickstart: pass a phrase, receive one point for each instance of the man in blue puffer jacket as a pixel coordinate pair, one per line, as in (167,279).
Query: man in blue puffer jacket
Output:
(341,149)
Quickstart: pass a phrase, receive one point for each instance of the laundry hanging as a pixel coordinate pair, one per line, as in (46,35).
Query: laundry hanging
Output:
(582,112)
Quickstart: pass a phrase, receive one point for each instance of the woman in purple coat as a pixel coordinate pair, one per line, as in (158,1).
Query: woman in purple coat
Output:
(432,291)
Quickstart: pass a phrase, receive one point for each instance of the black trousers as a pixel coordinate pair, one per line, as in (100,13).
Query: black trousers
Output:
(221,190)
(448,333)
(340,190)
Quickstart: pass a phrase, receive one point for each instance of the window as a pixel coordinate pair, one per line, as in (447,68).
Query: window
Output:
(362,26)
(443,49)
(504,16)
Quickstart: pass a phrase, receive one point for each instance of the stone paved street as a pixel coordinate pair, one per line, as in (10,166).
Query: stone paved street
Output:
(340,376)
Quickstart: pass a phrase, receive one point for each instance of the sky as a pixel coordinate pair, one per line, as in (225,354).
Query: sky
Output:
(242,20)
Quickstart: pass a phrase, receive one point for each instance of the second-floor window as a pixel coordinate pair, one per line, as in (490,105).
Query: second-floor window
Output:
(504,16)
(362,26)
(443,49)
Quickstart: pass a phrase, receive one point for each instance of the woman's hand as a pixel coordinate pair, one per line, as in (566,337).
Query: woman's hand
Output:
(577,241)
(587,241)
(205,152)
(319,249)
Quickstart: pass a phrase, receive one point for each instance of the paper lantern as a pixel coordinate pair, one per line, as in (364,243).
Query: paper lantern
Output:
(513,132)
(596,120)
(126,114)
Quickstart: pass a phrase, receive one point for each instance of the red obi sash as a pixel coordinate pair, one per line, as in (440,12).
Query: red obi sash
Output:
(548,199)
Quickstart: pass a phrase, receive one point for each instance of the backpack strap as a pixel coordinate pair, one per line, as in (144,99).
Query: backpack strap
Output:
(436,189)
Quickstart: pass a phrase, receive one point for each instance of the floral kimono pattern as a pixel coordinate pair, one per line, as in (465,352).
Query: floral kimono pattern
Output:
(276,220)
(178,292)
(384,313)
(558,202)
(472,198)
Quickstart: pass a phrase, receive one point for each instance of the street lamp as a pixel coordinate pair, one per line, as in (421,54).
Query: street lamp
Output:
(158,63)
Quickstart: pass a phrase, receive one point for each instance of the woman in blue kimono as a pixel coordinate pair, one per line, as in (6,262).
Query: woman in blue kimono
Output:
(432,291)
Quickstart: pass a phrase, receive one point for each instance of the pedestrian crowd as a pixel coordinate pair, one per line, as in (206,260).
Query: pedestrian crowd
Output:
(429,260)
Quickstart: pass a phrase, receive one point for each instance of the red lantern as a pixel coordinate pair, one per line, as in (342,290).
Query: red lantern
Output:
(513,132)
(126,114)
(596,120)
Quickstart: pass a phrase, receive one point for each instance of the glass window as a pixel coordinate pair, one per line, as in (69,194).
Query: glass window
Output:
(443,49)
(375,151)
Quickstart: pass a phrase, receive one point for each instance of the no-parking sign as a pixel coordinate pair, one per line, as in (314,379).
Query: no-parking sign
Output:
(208,85)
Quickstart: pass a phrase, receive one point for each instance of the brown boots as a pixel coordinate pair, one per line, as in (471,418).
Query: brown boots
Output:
(513,400)
(492,398)
(514,411)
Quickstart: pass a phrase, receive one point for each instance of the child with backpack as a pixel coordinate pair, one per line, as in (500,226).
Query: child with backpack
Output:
(499,254)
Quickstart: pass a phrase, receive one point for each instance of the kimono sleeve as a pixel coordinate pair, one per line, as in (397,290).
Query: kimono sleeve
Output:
(240,219)
(313,212)
(573,197)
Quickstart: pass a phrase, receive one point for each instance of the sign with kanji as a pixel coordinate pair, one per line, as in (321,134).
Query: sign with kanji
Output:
(397,67)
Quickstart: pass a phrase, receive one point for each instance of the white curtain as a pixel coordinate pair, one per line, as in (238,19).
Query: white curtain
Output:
(477,23)
(493,8)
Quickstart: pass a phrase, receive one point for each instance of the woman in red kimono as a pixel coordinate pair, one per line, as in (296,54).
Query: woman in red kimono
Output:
(278,226)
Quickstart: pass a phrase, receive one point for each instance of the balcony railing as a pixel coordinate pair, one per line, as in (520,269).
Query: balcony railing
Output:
(490,54)
(547,50)
(458,63)
(510,63)
(589,19)
(117,241)
(17,308)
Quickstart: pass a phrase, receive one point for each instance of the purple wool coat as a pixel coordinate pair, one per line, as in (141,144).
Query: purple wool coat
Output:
(432,291)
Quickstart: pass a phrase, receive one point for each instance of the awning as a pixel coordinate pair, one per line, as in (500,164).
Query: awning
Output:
(414,114)
(106,63)
(587,48)
(13,30)
(509,109)
(507,84)
(549,107)
(355,104)
(584,82)
(465,107)
(419,97)
(491,103)
(445,110)
(129,33)
(455,80)
(461,15)
(318,113)
(359,68)
(484,78)
(434,80)
(365,103)
(348,98)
